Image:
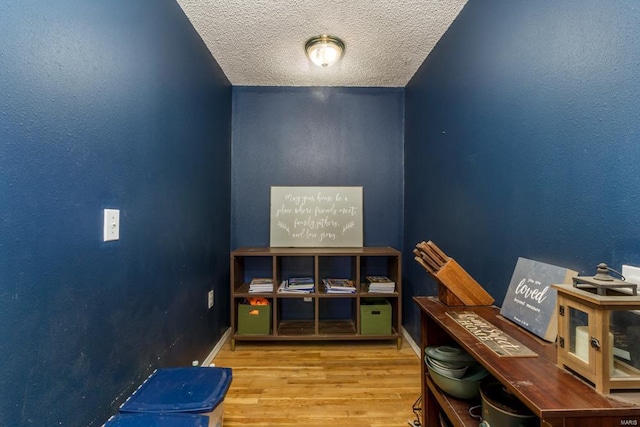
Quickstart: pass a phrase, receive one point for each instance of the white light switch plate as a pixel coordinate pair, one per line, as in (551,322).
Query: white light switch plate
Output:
(111,229)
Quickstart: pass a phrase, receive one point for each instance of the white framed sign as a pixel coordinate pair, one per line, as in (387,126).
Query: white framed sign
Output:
(316,217)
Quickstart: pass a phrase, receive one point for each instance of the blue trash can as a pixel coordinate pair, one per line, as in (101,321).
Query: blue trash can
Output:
(190,390)
(157,420)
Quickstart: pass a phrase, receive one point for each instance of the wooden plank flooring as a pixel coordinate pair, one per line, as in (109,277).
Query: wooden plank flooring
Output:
(320,384)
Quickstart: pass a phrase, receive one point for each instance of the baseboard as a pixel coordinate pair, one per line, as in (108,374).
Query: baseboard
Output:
(411,342)
(209,360)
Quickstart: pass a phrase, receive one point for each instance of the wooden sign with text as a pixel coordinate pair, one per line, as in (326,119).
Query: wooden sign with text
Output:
(316,217)
(499,342)
(530,301)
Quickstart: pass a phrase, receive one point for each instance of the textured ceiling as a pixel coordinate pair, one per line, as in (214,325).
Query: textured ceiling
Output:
(261,42)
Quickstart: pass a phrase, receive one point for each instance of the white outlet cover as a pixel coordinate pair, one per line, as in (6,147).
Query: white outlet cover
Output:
(111,227)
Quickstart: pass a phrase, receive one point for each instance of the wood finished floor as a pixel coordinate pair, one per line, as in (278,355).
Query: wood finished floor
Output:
(320,384)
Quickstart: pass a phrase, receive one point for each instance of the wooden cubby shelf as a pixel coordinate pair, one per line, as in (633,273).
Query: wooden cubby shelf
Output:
(317,315)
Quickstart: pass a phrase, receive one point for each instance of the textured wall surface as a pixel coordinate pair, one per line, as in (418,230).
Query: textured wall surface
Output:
(523,139)
(106,104)
(317,137)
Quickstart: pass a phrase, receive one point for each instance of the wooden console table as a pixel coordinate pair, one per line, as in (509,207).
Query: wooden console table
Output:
(557,397)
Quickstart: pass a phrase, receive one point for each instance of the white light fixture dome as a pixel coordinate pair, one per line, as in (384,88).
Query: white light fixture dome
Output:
(324,50)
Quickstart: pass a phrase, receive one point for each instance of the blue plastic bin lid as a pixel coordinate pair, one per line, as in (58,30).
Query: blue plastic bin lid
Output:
(157,420)
(189,389)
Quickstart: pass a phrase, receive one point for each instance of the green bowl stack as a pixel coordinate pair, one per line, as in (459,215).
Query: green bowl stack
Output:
(454,371)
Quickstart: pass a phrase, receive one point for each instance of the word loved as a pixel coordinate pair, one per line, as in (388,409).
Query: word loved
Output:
(532,293)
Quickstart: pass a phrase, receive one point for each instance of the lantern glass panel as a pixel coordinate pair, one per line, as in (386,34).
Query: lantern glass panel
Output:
(624,326)
(579,333)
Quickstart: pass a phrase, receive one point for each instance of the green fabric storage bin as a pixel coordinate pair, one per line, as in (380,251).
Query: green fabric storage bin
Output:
(375,317)
(254,319)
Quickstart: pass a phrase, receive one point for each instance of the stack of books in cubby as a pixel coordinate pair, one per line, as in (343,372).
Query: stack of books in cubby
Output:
(339,286)
(259,284)
(297,285)
(380,284)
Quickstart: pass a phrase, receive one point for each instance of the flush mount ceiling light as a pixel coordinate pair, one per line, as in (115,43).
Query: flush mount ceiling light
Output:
(324,50)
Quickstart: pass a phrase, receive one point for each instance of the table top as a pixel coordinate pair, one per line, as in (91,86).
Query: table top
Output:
(548,390)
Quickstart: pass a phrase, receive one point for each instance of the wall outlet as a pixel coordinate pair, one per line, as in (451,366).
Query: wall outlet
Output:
(210,299)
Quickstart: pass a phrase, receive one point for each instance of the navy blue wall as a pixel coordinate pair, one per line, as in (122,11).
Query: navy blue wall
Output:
(523,139)
(317,137)
(106,104)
